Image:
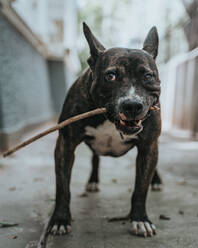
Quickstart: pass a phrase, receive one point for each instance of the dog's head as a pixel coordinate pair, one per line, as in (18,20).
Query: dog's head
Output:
(125,81)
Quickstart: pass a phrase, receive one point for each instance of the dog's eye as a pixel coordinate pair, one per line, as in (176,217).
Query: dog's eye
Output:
(148,77)
(110,76)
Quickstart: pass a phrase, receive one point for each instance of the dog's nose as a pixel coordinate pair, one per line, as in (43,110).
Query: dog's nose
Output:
(130,108)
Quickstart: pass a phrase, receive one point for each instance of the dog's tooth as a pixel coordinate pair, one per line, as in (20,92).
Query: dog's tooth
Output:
(155,107)
(122,116)
(122,123)
(139,122)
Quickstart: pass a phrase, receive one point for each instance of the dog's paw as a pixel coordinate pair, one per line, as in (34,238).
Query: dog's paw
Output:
(58,227)
(156,183)
(92,187)
(143,228)
(157,187)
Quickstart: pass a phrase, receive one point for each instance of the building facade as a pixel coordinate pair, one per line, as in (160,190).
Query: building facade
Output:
(33,72)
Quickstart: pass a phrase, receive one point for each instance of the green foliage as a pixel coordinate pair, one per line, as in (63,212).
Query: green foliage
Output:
(92,14)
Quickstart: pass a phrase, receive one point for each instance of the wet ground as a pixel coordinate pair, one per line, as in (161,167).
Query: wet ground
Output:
(27,198)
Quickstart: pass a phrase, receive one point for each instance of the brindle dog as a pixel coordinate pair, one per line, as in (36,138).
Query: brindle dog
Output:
(125,82)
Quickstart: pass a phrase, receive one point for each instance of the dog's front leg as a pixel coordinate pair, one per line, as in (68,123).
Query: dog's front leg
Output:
(145,167)
(60,222)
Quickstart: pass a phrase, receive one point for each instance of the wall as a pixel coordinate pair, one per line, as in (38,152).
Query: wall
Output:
(57,84)
(179,98)
(24,90)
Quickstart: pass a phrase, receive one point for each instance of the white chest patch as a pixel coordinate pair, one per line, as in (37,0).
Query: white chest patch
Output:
(107,140)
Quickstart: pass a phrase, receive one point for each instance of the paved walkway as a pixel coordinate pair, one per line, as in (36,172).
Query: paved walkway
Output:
(27,197)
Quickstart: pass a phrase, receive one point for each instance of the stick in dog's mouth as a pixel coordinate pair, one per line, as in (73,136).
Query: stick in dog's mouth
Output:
(64,124)
(55,128)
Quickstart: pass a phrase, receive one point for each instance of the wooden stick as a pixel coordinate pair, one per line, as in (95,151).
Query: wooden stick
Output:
(57,127)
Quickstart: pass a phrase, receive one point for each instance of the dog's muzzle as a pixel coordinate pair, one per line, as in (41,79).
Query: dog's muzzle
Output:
(130,112)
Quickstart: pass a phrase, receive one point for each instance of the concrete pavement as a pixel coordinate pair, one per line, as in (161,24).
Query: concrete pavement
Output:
(27,198)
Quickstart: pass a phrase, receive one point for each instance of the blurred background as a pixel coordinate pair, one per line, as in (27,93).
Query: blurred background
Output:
(42,50)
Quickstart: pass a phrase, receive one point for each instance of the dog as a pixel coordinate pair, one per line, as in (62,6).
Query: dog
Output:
(125,82)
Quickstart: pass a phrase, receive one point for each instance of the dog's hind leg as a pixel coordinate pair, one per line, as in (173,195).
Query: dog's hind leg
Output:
(156,183)
(92,185)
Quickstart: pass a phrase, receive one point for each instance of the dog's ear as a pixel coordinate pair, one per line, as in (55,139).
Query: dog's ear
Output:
(151,42)
(96,48)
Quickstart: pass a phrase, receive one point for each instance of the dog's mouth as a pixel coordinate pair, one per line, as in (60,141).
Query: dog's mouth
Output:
(129,126)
